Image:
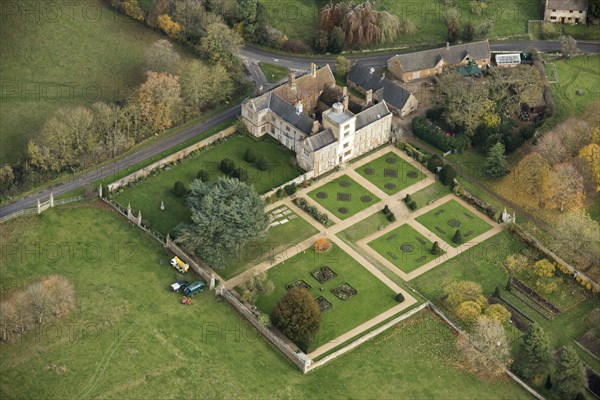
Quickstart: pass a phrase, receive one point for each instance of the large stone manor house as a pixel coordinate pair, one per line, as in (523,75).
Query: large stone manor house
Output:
(292,114)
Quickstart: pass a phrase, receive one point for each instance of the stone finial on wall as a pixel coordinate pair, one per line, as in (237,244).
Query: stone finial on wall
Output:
(139,218)
(39,207)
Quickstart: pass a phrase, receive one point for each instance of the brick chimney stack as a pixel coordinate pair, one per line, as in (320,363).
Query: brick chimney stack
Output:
(313,70)
(345,102)
(292,80)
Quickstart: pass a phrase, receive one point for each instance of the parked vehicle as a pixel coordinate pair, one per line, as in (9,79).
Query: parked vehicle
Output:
(179,265)
(194,288)
(179,285)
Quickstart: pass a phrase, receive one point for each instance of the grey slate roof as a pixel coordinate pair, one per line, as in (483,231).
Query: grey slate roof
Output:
(393,94)
(288,113)
(452,55)
(363,77)
(321,139)
(261,102)
(384,89)
(567,4)
(371,115)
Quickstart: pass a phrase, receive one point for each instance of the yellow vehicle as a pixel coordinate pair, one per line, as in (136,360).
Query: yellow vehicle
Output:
(179,265)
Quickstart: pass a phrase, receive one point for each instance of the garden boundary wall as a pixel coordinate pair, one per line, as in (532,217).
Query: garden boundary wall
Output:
(533,241)
(299,359)
(41,207)
(458,329)
(366,337)
(296,181)
(181,154)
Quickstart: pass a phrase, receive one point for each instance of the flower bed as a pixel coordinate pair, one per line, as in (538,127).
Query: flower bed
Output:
(298,283)
(323,274)
(311,210)
(517,317)
(323,303)
(344,291)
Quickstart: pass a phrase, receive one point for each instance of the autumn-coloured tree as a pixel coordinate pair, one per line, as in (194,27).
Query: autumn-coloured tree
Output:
(497,312)
(551,148)
(468,312)
(168,26)
(567,187)
(203,85)
(544,271)
(298,316)
(389,26)
(221,44)
(486,351)
(591,155)
(133,9)
(578,237)
(322,245)
(516,263)
(159,100)
(461,291)
(161,56)
(529,180)
(360,23)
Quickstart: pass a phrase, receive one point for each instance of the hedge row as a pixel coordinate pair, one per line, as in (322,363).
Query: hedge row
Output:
(433,135)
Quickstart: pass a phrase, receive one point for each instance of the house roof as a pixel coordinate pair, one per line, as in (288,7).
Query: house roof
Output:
(306,85)
(567,4)
(321,139)
(365,77)
(451,55)
(288,113)
(371,115)
(332,95)
(384,89)
(393,94)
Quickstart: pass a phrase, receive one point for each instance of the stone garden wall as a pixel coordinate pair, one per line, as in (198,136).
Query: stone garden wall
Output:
(144,172)
(296,181)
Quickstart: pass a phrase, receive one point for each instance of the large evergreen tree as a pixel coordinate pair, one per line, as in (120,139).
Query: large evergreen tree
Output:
(535,352)
(225,216)
(495,164)
(570,375)
(298,316)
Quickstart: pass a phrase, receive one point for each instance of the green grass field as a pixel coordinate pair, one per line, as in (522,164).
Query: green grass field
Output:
(61,55)
(404,247)
(280,237)
(335,197)
(373,296)
(390,173)
(299,19)
(450,216)
(130,338)
(430,194)
(273,73)
(147,195)
(579,73)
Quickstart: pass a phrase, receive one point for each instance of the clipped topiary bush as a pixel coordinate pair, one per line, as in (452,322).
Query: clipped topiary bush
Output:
(262,163)
(457,238)
(241,174)
(203,175)
(447,174)
(290,189)
(179,189)
(434,162)
(250,155)
(227,166)
(399,297)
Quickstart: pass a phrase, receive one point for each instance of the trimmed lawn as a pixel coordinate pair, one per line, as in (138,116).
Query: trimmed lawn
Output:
(343,194)
(273,73)
(63,55)
(279,238)
(147,195)
(430,194)
(372,299)
(404,247)
(130,338)
(450,216)
(390,173)
(578,73)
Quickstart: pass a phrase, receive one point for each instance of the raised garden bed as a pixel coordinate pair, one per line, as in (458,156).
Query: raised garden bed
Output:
(391,160)
(533,295)
(322,195)
(390,173)
(454,223)
(407,248)
(343,210)
(412,174)
(323,303)
(344,291)
(369,171)
(390,186)
(591,342)
(323,274)
(366,199)
(344,197)
(593,381)
(298,283)
(344,184)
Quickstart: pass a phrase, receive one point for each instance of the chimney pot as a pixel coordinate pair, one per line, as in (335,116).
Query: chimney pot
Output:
(292,80)
(345,91)
(369,97)
(345,103)
(315,127)
(313,70)
(447,45)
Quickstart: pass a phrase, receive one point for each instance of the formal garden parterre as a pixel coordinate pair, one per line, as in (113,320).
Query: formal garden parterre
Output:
(348,294)
(343,197)
(390,173)
(445,220)
(406,248)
